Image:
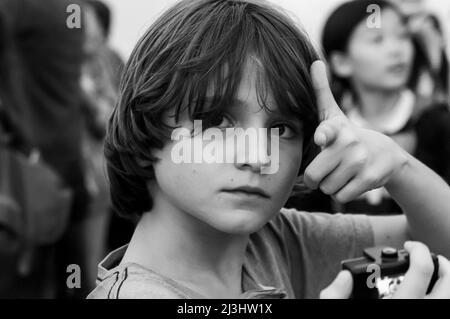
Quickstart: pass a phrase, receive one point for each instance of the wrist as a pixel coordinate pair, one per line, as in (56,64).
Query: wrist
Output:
(403,169)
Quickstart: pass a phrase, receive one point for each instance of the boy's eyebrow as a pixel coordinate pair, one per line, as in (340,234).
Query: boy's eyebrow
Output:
(238,103)
(234,102)
(276,114)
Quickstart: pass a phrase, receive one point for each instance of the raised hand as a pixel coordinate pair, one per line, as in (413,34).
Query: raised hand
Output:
(353,160)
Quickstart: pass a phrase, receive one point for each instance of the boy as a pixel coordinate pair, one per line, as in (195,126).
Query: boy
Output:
(213,228)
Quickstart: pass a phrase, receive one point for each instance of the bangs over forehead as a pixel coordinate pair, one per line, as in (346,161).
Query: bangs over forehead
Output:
(194,55)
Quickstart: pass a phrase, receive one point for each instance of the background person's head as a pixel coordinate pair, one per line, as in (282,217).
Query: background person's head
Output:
(93,32)
(11,221)
(410,7)
(103,14)
(192,63)
(431,38)
(364,54)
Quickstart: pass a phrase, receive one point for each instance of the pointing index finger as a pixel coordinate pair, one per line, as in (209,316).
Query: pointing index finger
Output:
(328,107)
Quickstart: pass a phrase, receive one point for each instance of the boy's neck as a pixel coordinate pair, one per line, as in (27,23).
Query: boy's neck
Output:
(179,246)
(376,104)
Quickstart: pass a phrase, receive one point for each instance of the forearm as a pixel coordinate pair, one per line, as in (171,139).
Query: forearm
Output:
(425,200)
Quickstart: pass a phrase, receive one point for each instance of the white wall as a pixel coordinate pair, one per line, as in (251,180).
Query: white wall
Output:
(131,17)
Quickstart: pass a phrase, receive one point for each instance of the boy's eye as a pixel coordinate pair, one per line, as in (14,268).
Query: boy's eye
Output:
(220,121)
(225,122)
(284,130)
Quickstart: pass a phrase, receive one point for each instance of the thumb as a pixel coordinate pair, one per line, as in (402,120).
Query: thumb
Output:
(340,288)
(328,107)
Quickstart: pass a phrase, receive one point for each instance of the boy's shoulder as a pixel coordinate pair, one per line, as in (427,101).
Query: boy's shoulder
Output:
(303,222)
(310,237)
(132,281)
(301,251)
(128,284)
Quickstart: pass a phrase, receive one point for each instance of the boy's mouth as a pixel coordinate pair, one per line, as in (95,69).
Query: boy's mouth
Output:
(248,191)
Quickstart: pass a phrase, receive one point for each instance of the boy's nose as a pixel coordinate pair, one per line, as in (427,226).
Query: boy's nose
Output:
(252,150)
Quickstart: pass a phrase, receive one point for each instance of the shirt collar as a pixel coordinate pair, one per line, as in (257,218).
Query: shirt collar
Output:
(252,289)
(398,118)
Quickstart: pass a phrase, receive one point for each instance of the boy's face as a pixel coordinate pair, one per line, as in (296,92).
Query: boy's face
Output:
(209,192)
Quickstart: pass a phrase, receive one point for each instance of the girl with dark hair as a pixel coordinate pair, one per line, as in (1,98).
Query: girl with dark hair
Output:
(375,70)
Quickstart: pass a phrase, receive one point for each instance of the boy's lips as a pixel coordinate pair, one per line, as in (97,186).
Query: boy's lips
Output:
(248,191)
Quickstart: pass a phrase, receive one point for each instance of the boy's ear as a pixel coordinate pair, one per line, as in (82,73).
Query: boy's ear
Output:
(340,64)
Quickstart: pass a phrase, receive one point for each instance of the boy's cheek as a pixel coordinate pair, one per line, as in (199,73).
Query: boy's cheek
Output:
(280,185)
(291,158)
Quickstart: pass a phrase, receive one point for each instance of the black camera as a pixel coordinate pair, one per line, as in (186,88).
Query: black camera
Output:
(378,274)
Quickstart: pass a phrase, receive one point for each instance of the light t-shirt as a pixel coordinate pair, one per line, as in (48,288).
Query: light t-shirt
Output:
(295,255)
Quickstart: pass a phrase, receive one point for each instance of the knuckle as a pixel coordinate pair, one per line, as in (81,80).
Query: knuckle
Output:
(326,189)
(325,123)
(308,175)
(341,122)
(341,198)
(349,138)
(360,155)
(309,178)
(370,178)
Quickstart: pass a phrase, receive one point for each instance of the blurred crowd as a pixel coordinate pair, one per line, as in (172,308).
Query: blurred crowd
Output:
(58,86)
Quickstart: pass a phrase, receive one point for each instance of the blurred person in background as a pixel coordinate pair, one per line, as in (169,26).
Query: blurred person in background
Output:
(433,83)
(13,118)
(433,126)
(50,57)
(374,73)
(12,283)
(100,83)
(114,61)
(106,65)
(429,33)
(432,86)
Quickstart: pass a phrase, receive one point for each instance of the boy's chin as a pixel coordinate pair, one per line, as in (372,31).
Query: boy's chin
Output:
(242,222)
